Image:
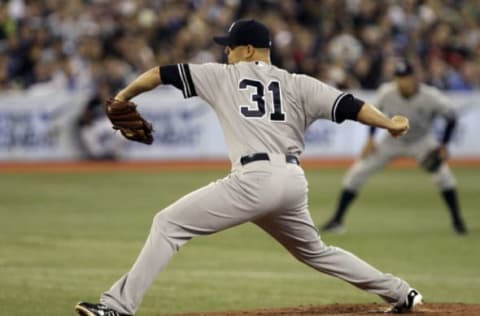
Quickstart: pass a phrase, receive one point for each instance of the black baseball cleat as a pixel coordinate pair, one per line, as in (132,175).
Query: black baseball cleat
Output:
(460,228)
(333,227)
(90,309)
(414,298)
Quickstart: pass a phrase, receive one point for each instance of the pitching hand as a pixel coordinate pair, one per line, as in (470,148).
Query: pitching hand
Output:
(399,126)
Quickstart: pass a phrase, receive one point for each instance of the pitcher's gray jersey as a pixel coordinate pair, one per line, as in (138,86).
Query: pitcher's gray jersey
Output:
(263,108)
(420,109)
(264,111)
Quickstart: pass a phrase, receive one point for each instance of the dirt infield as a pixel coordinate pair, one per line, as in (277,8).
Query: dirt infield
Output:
(436,309)
(186,165)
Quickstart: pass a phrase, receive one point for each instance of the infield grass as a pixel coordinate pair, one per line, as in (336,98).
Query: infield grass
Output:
(67,237)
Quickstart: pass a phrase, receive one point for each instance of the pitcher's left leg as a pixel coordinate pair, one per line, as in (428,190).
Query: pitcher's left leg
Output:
(296,231)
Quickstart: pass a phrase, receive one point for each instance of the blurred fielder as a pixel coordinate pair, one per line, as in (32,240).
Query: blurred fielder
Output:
(420,104)
(264,112)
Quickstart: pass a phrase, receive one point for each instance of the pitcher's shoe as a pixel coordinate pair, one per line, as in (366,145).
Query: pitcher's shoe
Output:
(90,309)
(413,299)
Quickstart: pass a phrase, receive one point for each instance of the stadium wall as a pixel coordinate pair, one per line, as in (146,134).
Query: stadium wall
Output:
(42,127)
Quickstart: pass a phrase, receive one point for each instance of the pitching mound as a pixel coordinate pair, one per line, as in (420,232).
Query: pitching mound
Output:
(355,309)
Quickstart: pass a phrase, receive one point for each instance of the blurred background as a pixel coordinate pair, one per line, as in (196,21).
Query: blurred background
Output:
(59,61)
(69,229)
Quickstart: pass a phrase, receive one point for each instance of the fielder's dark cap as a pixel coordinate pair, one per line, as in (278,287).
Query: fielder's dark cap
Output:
(246,32)
(403,68)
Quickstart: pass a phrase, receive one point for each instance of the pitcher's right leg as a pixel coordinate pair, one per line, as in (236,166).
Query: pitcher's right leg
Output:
(202,212)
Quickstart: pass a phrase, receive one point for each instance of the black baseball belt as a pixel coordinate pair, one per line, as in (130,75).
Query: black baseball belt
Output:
(264,156)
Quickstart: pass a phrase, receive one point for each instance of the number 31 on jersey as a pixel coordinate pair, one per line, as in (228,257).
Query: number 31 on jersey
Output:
(257,97)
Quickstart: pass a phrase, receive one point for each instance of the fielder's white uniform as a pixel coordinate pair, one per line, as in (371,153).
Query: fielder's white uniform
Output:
(262,109)
(421,109)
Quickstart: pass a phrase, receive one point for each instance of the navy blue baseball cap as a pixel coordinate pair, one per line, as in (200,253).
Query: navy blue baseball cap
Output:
(403,68)
(246,32)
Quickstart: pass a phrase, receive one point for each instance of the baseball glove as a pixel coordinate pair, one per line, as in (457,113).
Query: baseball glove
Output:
(433,160)
(125,118)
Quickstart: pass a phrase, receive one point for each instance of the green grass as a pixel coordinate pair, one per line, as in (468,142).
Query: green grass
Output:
(68,237)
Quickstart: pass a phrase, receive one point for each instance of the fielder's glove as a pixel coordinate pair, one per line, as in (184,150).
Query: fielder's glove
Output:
(433,160)
(125,117)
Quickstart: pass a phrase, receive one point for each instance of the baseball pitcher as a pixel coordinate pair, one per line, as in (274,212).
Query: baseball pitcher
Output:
(264,112)
(420,104)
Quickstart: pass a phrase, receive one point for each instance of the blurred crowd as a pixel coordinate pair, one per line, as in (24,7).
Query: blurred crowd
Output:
(85,44)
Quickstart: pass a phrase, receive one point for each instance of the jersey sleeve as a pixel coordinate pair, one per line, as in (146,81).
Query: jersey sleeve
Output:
(381,97)
(326,102)
(180,77)
(193,79)
(442,104)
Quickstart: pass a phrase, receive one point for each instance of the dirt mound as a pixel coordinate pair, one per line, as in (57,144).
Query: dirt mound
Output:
(354,309)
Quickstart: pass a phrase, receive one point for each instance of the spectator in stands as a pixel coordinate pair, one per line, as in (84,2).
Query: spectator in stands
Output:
(346,42)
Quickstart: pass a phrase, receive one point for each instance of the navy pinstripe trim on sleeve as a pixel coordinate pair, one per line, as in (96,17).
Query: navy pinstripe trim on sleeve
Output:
(346,107)
(170,75)
(335,105)
(179,76)
(188,77)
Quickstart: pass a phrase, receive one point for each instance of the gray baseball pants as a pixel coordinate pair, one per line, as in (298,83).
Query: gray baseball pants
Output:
(389,149)
(273,195)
